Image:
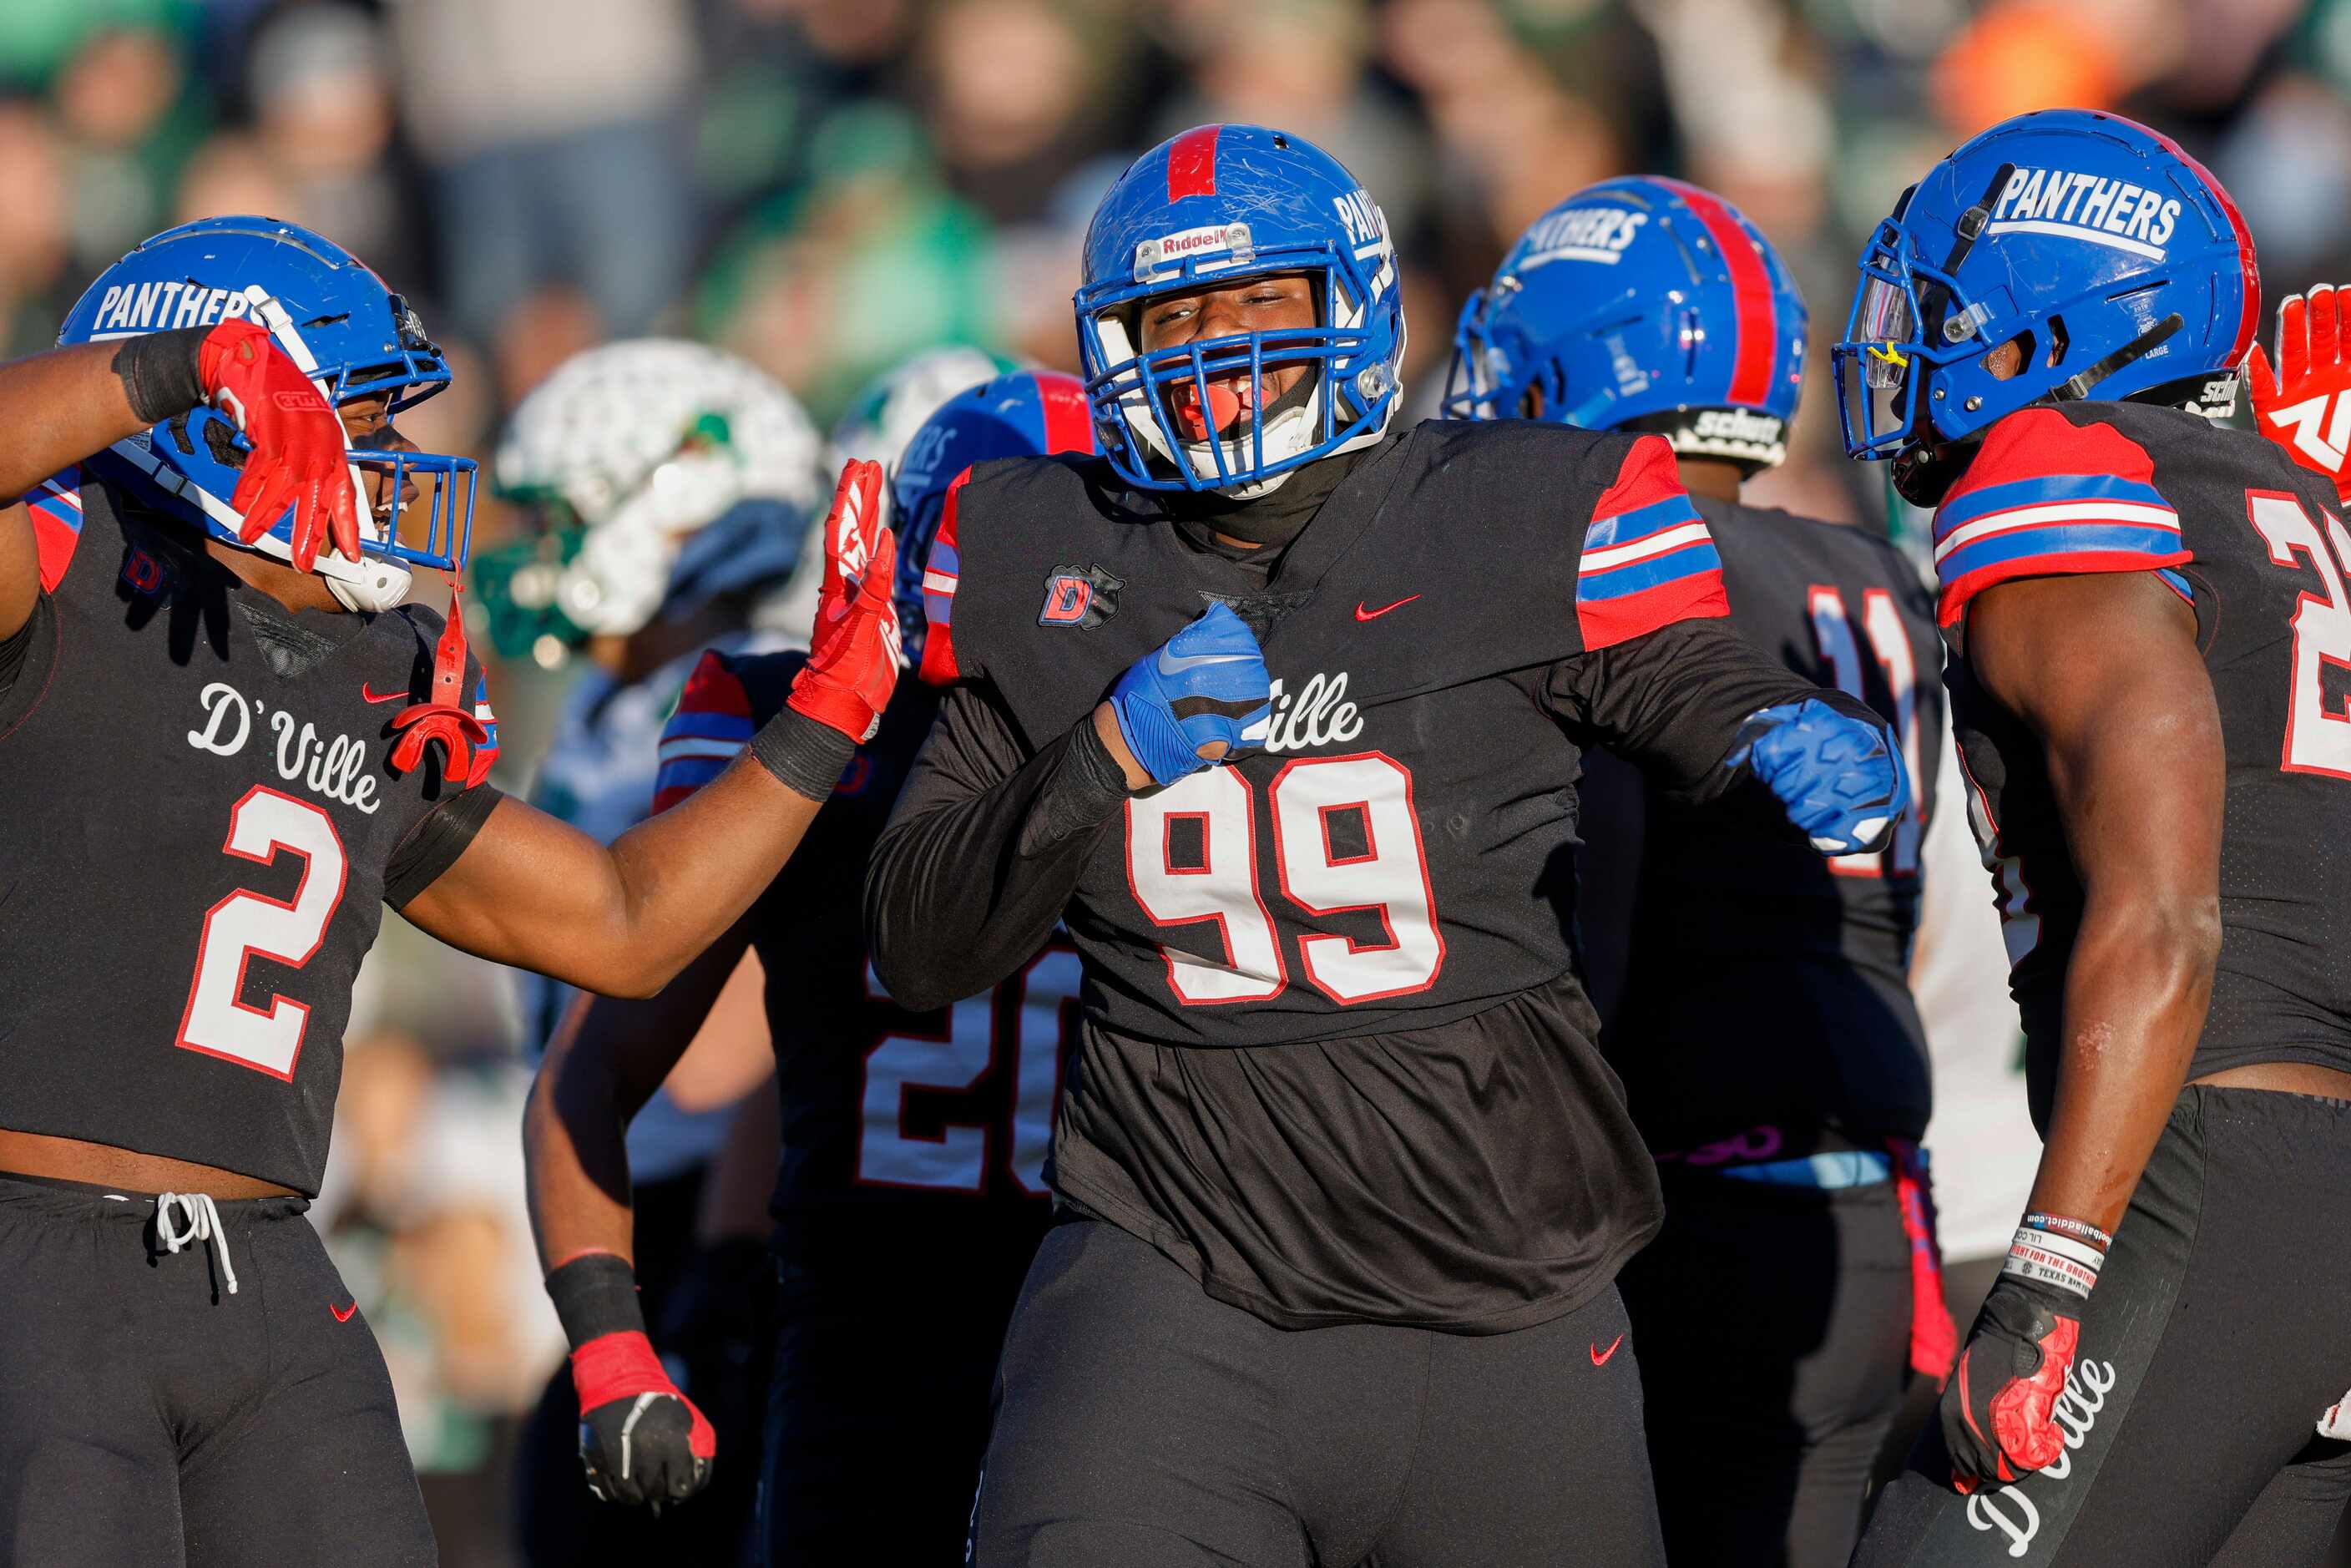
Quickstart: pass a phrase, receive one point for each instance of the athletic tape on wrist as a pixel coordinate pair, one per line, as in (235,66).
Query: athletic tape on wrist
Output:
(807,756)
(161,373)
(595,1296)
(617,1367)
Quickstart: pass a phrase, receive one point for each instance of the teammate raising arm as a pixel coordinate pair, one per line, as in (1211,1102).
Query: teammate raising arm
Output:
(226,744)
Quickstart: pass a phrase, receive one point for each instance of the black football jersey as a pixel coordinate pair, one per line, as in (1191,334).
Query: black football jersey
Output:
(2252,541)
(1334,1060)
(1764,984)
(203,825)
(910,1139)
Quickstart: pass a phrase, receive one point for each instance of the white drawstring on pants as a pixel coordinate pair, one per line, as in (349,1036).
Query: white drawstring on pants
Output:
(196,1210)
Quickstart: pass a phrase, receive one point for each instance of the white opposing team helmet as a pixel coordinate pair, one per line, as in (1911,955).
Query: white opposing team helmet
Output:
(636,448)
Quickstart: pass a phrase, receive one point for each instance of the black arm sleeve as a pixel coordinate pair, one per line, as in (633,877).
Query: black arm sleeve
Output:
(433,845)
(983,852)
(1673,702)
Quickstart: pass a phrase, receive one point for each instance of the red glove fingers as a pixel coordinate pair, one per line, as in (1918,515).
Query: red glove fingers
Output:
(852,667)
(298,458)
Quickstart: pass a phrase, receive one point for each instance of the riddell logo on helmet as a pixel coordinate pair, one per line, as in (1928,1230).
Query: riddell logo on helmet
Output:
(1172,250)
(2111,213)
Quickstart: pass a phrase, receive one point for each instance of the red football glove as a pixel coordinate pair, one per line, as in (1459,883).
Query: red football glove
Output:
(641,1441)
(298,458)
(2302,409)
(854,665)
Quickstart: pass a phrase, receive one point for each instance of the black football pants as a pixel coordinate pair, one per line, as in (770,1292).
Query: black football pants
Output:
(151,1418)
(877,1414)
(1143,1422)
(2219,1328)
(1774,1326)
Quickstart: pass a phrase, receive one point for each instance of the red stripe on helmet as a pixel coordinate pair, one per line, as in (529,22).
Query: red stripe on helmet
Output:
(1758,317)
(1192,164)
(2250,322)
(1069,422)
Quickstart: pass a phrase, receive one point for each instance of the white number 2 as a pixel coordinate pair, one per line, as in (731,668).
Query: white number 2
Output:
(242,924)
(2317,733)
(1889,644)
(1388,876)
(957,1160)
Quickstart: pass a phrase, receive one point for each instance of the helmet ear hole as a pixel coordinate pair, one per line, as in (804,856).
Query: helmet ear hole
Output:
(1531,401)
(2059,341)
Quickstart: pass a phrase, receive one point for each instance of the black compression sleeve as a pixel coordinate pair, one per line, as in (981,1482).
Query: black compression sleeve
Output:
(982,853)
(807,756)
(1673,701)
(433,845)
(596,1294)
(160,372)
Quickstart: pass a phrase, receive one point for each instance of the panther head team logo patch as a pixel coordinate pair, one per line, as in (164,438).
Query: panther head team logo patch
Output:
(1079,596)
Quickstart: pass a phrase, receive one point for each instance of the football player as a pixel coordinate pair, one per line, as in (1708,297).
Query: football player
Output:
(669,487)
(912,1192)
(224,743)
(1788,1164)
(1284,713)
(2144,609)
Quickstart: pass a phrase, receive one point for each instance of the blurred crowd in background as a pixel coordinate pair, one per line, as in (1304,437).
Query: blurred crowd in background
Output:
(825,185)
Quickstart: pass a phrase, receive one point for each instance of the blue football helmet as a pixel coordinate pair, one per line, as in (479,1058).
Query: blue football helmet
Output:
(2116,258)
(1639,304)
(1216,205)
(1025,414)
(336,319)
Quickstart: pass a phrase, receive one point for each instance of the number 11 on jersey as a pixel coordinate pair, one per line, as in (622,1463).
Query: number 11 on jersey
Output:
(1889,645)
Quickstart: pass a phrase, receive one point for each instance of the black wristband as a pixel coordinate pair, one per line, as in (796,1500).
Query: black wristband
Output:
(1085,791)
(162,371)
(807,756)
(596,1294)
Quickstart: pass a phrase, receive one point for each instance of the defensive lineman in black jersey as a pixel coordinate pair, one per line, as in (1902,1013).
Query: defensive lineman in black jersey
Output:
(1754,997)
(911,1193)
(2136,598)
(1346,1181)
(224,745)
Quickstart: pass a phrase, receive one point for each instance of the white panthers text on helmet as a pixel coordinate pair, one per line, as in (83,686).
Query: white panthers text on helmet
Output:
(2074,205)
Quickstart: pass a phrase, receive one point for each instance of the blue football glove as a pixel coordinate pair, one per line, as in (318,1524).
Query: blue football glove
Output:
(1841,779)
(1206,685)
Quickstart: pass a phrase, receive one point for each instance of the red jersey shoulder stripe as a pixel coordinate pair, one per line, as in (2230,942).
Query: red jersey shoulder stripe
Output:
(711,724)
(2048,497)
(1648,558)
(942,572)
(55,505)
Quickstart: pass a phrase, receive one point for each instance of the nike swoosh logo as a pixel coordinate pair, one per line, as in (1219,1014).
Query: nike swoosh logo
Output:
(344,1314)
(368,694)
(1363,614)
(1171,664)
(1599,1357)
